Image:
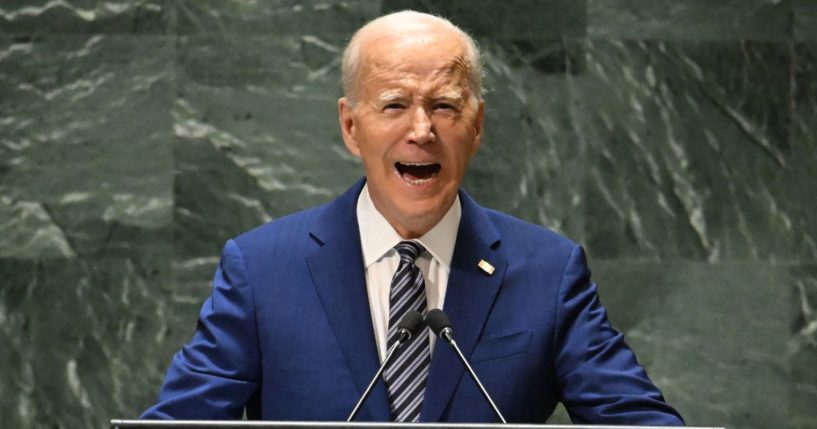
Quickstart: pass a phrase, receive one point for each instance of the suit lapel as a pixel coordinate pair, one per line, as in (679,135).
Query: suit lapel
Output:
(468,300)
(337,272)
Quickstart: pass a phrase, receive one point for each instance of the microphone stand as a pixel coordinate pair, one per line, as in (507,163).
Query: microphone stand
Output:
(446,334)
(376,377)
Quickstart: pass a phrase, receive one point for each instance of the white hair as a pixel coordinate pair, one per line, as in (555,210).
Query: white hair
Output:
(350,65)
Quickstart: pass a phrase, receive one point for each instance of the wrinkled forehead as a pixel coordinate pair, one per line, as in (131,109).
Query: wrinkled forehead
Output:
(435,59)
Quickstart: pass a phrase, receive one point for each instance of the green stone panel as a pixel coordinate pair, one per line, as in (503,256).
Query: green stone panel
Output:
(805,19)
(691,154)
(559,416)
(803,137)
(803,350)
(530,163)
(799,195)
(87,17)
(689,19)
(716,338)
(85,153)
(127,161)
(86,185)
(274,18)
(29,232)
(511,19)
(258,134)
(80,338)
(803,346)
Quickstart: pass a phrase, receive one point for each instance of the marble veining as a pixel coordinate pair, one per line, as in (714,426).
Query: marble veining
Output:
(674,140)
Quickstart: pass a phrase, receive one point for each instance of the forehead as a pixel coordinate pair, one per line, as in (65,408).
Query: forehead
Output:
(435,58)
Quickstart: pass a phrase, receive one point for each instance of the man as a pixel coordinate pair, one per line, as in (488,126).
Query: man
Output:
(303,309)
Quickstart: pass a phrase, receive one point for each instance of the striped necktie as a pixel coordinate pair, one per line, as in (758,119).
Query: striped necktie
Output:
(406,377)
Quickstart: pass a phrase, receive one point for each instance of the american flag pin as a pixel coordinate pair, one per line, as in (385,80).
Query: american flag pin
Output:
(486,266)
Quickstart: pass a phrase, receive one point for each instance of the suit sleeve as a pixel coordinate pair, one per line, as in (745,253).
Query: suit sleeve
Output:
(217,373)
(599,379)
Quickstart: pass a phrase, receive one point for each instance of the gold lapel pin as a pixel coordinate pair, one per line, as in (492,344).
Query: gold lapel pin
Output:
(486,266)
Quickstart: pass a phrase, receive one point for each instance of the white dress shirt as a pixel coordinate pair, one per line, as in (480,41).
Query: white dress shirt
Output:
(378,238)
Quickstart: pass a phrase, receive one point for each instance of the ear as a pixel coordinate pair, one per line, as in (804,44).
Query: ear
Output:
(346,116)
(478,121)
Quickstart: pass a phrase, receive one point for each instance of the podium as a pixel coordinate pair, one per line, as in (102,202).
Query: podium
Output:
(254,424)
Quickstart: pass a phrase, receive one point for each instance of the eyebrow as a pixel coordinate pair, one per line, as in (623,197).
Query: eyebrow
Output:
(390,95)
(449,94)
(396,94)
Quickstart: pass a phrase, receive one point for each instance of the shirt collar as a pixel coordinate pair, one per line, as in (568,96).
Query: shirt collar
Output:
(377,237)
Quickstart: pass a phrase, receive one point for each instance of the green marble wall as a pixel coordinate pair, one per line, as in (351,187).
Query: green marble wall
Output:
(672,138)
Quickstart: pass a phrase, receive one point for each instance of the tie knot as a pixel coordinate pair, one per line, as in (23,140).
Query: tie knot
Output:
(409,251)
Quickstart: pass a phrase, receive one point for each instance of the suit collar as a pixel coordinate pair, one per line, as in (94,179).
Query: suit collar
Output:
(337,271)
(469,298)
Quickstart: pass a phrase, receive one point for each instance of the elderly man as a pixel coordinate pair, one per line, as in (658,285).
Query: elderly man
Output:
(303,309)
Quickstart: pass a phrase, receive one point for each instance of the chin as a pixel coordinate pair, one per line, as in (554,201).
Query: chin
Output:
(424,210)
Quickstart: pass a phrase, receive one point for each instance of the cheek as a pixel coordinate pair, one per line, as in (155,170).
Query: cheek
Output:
(463,146)
(381,139)
(373,152)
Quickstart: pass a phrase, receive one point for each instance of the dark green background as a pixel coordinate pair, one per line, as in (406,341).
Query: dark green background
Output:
(674,139)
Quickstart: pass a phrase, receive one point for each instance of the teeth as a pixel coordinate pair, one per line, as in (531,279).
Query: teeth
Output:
(404,170)
(418,181)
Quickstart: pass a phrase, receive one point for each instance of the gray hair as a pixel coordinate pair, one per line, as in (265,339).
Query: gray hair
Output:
(350,65)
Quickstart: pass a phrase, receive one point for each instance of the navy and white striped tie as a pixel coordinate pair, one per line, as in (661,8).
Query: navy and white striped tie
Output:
(406,377)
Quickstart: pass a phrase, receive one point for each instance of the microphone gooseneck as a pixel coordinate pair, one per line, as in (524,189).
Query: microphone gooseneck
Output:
(441,326)
(409,326)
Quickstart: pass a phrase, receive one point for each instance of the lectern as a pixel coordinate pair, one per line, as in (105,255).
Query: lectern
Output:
(244,424)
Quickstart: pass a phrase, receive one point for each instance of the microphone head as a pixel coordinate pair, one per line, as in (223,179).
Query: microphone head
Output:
(412,323)
(437,321)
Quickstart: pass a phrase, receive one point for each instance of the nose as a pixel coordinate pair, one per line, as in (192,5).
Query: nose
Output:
(421,130)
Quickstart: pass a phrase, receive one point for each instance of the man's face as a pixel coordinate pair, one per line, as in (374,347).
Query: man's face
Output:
(415,125)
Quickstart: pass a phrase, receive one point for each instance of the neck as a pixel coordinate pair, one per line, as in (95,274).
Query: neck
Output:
(410,233)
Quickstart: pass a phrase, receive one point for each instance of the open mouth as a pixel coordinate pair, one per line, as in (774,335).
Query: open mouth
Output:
(417,172)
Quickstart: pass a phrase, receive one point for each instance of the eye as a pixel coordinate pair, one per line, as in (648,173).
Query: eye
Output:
(394,106)
(444,106)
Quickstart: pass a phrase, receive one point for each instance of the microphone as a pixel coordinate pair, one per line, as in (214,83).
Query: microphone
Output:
(439,323)
(411,323)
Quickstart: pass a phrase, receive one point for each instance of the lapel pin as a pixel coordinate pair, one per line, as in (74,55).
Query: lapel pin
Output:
(486,266)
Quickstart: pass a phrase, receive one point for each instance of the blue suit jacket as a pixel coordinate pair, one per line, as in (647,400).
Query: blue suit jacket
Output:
(287,332)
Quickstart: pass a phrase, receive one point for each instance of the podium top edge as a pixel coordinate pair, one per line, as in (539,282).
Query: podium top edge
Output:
(257,424)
